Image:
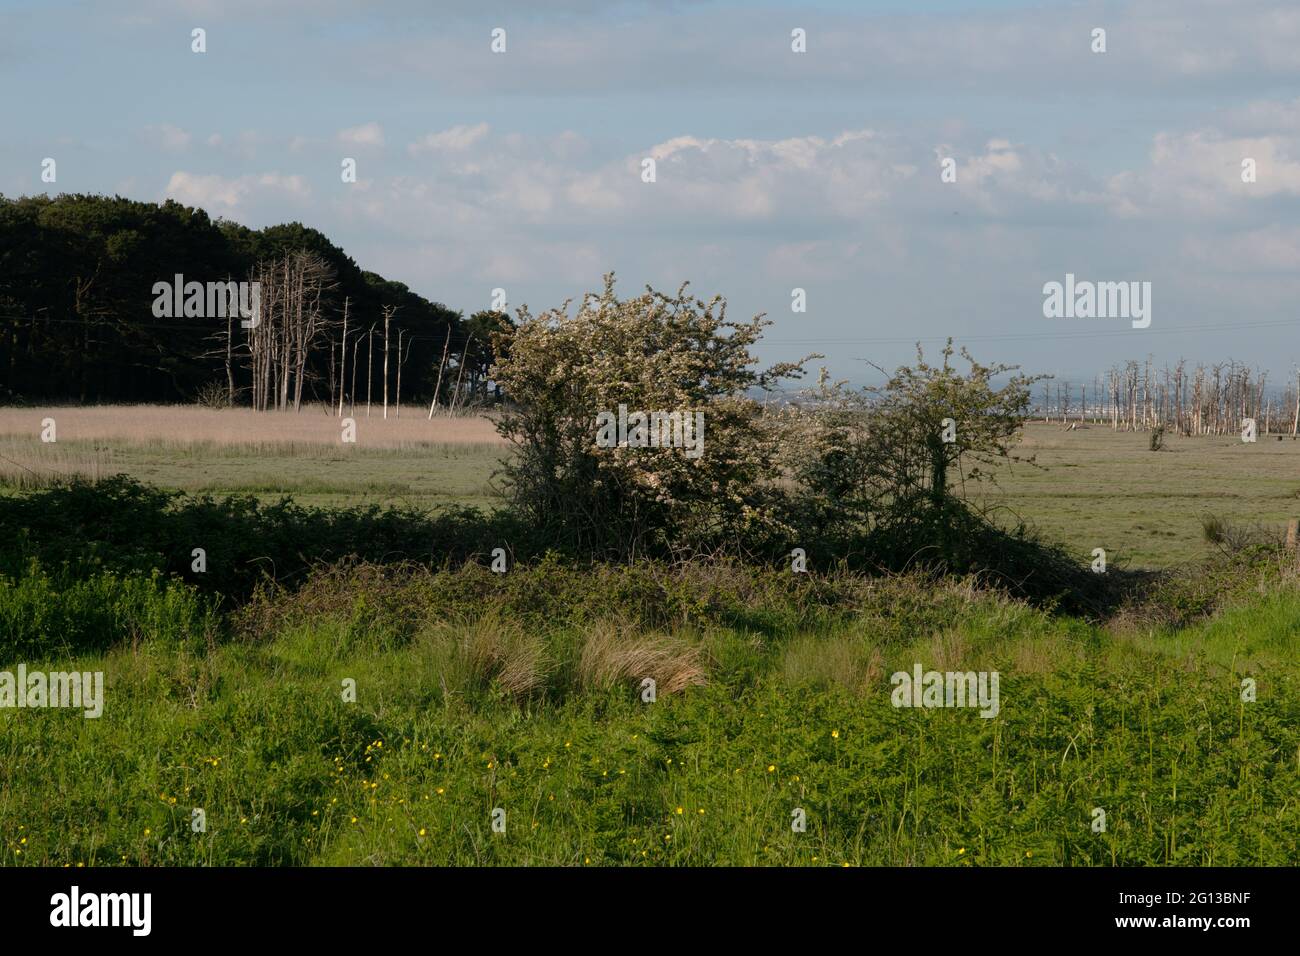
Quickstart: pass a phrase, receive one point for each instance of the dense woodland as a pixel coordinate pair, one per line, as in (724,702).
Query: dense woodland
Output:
(77,274)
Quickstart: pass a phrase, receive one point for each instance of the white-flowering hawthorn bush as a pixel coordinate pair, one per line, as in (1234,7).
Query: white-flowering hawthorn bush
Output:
(653,353)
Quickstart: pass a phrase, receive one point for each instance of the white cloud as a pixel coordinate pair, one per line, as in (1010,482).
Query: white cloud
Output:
(367,134)
(173,139)
(455,139)
(229,195)
(1198,174)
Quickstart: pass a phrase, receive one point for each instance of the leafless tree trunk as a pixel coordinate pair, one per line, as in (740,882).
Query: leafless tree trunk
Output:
(370,365)
(352,404)
(343,366)
(401,360)
(1295,419)
(455,392)
(437,388)
(230,350)
(388,315)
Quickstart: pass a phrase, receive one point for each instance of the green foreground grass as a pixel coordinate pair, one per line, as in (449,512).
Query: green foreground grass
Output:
(468,707)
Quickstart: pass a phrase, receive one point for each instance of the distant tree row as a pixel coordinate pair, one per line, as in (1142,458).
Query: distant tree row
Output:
(1208,400)
(77,278)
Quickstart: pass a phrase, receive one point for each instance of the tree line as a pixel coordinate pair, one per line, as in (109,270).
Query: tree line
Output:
(77,274)
(1211,399)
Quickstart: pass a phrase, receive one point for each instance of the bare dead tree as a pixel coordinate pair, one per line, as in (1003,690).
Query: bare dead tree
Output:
(294,290)
(370,365)
(344,364)
(437,388)
(388,311)
(356,347)
(401,360)
(455,392)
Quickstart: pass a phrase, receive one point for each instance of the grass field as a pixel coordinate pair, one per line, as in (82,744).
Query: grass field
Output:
(1095,488)
(526,699)
(1103,489)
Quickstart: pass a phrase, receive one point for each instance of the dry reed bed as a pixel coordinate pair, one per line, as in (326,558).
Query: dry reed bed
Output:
(179,426)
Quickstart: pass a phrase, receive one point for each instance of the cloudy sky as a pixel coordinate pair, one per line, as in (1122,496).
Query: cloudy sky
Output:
(775,170)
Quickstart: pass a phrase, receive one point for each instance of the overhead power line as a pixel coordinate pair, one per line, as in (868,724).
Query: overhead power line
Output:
(1038,336)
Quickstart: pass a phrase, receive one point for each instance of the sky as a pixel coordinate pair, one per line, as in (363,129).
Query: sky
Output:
(775,170)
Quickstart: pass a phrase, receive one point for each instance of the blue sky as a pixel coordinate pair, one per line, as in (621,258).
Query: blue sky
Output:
(775,170)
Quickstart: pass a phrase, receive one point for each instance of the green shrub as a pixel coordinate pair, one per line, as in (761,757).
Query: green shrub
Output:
(42,616)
